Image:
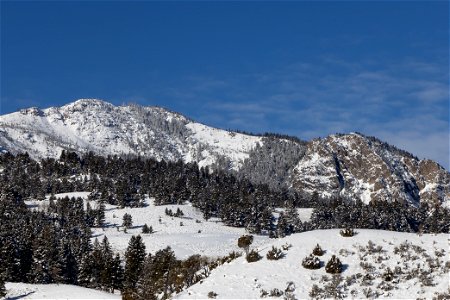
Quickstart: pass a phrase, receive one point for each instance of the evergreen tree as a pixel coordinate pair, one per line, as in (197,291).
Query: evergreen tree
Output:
(116,274)
(85,270)
(44,257)
(146,229)
(134,259)
(127,220)
(107,272)
(100,214)
(2,286)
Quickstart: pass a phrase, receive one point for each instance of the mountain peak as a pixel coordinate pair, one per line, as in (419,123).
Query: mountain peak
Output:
(85,103)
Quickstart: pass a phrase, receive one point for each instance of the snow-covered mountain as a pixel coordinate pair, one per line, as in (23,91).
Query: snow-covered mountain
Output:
(351,165)
(94,125)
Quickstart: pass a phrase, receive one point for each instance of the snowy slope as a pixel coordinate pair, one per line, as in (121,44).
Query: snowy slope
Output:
(214,238)
(94,125)
(242,280)
(18,290)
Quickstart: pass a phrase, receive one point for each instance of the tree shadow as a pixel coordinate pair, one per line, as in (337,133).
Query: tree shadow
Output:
(19,297)
(344,267)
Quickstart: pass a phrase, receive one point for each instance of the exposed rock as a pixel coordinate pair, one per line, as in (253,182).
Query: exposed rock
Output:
(356,166)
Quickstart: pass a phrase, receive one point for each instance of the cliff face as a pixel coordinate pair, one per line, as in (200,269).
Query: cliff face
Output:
(361,167)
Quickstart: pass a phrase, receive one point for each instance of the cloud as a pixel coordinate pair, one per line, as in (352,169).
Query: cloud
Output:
(404,103)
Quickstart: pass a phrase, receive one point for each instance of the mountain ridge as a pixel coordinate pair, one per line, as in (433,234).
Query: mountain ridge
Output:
(341,165)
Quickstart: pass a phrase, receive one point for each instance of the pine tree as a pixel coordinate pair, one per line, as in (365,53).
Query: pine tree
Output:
(44,257)
(134,259)
(127,220)
(293,220)
(100,214)
(116,274)
(146,229)
(97,265)
(85,270)
(282,226)
(2,285)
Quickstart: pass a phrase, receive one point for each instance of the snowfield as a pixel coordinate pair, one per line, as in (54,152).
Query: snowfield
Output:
(54,291)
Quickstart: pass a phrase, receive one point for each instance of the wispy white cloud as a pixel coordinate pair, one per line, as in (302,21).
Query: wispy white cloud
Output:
(405,103)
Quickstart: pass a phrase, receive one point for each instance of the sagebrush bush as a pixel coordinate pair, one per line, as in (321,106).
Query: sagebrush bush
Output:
(318,250)
(275,254)
(311,262)
(253,256)
(334,265)
(212,295)
(347,232)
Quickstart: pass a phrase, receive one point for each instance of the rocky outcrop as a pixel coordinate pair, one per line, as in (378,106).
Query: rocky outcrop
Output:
(360,167)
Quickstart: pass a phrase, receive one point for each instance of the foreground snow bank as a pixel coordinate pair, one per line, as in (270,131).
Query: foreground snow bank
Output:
(364,265)
(17,290)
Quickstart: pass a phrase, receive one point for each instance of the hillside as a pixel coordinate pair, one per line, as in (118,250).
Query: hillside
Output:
(418,263)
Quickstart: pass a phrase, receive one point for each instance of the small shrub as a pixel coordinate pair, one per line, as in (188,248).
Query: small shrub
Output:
(212,295)
(426,278)
(275,254)
(318,250)
(440,253)
(367,266)
(334,289)
(373,248)
(349,280)
(369,293)
(311,262)
(263,293)
(385,286)
(347,232)
(334,265)
(289,291)
(345,252)
(286,247)
(275,293)
(388,275)
(233,255)
(253,256)
(367,280)
(315,292)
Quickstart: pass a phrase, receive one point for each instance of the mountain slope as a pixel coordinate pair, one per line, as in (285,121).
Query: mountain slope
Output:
(350,165)
(94,125)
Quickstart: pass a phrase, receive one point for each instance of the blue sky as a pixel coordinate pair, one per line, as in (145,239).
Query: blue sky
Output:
(301,68)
